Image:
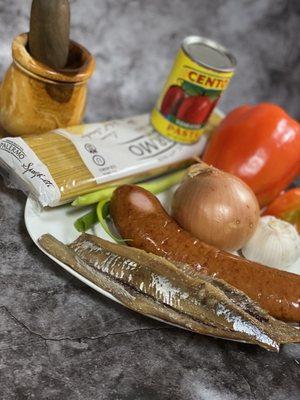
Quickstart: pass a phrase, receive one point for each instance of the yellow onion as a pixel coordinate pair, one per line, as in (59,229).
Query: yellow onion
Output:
(216,207)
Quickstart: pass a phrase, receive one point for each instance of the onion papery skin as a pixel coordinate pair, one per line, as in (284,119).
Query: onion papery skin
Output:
(216,207)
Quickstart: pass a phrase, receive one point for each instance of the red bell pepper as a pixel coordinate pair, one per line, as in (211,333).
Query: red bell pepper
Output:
(195,109)
(172,99)
(259,144)
(287,207)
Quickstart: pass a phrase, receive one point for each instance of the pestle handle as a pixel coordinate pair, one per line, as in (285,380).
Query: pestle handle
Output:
(49,35)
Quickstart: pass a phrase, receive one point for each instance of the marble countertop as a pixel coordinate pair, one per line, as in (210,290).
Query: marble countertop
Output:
(61,340)
(58,338)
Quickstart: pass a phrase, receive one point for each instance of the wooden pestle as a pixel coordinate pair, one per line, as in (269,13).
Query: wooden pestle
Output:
(49,36)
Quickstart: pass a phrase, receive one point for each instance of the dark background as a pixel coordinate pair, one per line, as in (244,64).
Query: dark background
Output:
(58,338)
(135,43)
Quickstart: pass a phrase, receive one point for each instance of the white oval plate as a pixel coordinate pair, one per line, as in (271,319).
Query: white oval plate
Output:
(59,222)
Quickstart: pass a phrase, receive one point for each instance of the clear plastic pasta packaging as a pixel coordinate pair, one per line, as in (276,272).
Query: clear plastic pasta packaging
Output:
(58,166)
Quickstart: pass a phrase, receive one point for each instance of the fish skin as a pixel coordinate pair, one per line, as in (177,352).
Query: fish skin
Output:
(129,297)
(164,289)
(286,333)
(235,309)
(210,312)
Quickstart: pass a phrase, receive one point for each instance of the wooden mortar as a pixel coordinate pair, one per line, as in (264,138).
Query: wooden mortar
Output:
(35,98)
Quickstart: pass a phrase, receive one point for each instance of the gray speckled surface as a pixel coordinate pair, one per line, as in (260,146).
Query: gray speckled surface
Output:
(58,338)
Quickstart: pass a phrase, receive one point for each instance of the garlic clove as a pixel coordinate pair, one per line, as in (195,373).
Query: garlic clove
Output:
(275,243)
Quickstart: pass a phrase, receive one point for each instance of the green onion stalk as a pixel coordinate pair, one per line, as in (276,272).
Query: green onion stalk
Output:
(154,186)
(102,197)
(85,222)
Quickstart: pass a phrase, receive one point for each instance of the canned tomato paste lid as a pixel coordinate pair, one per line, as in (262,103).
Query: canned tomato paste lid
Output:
(201,72)
(208,53)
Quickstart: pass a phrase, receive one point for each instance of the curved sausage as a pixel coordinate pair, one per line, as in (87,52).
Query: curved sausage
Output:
(140,218)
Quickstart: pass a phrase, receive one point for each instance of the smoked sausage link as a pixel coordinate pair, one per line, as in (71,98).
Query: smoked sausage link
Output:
(139,217)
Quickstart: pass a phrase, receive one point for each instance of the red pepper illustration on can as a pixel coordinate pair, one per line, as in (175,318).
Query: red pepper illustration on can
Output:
(195,109)
(172,100)
(192,109)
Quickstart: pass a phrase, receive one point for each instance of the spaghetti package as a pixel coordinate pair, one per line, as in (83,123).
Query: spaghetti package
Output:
(58,166)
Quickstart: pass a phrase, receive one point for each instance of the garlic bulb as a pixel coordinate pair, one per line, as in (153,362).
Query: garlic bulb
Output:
(275,243)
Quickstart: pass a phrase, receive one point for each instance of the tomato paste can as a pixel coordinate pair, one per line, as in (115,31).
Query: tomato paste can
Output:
(201,72)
